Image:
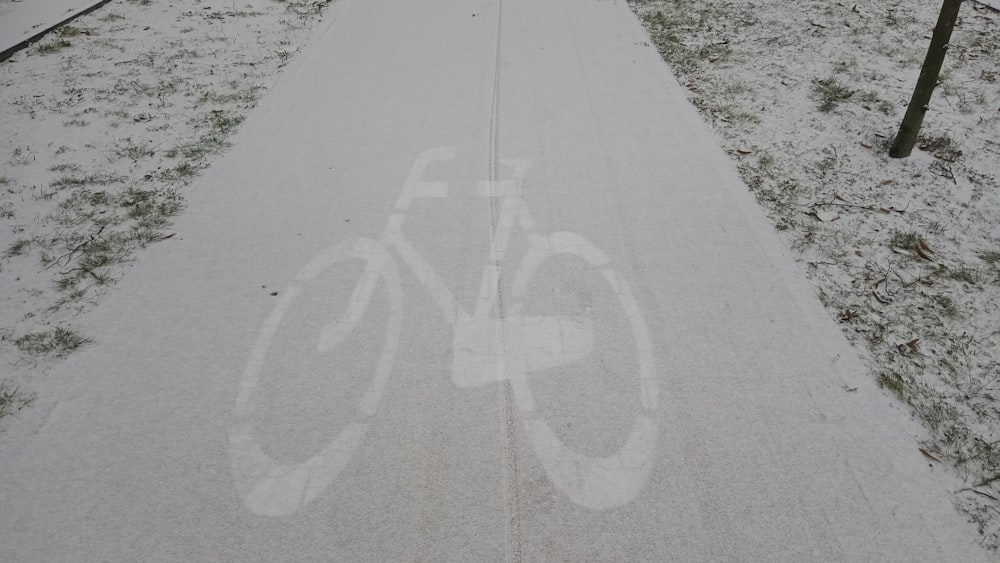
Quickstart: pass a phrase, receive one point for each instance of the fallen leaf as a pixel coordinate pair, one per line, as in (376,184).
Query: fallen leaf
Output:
(743,151)
(886,182)
(866,145)
(923,251)
(884,210)
(929,455)
(838,198)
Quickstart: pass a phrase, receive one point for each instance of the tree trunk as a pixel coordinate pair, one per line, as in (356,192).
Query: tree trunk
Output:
(926,82)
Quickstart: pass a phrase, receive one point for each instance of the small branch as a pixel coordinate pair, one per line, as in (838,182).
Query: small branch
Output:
(987,495)
(988,481)
(69,255)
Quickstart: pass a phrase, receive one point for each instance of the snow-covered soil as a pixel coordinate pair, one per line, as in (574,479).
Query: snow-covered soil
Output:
(106,122)
(905,253)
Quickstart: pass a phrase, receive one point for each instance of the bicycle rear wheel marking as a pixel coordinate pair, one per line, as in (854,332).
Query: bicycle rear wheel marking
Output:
(267,486)
(597,483)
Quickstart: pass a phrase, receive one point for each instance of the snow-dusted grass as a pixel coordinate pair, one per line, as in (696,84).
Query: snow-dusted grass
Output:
(106,121)
(904,253)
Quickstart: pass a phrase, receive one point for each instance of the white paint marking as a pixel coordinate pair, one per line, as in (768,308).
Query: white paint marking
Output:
(486,349)
(271,488)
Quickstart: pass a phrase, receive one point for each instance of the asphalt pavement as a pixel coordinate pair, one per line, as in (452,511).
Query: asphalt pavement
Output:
(475,283)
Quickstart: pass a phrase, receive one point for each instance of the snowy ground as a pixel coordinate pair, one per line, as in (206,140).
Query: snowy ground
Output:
(905,253)
(20,20)
(106,122)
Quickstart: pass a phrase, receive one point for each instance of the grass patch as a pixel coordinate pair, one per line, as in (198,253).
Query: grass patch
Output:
(830,93)
(59,342)
(51,47)
(54,46)
(151,209)
(895,383)
(101,231)
(12,398)
(98,179)
(965,275)
(110,17)
(991,257)
(65,167)
(73,31)
(18,247)
(131,150)
(119,113)
(886,107)
(942,146)
(225,124)
(183,172)
(244,95)
(199,148)
(946,305)
(907,240)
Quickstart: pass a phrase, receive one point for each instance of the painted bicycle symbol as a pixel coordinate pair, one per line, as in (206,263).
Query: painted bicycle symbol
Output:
(486,349)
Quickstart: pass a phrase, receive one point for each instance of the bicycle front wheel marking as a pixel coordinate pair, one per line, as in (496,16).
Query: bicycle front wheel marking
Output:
(594,482)
(272,488)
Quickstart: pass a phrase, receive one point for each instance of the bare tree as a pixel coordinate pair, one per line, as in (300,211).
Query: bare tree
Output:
(927,81)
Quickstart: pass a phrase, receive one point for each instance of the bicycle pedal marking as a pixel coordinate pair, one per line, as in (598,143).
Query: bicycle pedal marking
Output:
(487,347)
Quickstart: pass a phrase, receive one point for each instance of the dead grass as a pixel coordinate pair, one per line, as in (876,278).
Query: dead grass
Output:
(911,266)
(143,109)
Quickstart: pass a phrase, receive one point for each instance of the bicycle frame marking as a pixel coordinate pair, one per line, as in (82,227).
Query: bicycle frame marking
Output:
(480,358)
(486,350)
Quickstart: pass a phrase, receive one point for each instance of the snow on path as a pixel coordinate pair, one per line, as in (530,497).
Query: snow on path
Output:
(365,341)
